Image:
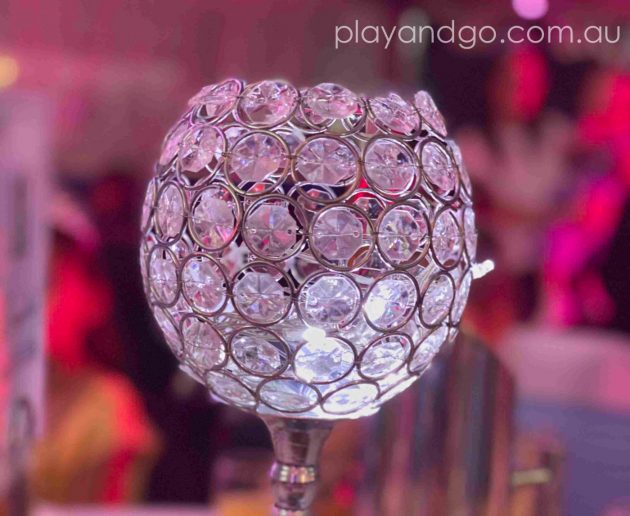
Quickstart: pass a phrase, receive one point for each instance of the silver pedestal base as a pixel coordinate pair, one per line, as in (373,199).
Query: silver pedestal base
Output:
(297,445)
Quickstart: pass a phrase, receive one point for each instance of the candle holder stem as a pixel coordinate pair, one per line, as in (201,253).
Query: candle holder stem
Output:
(297,446)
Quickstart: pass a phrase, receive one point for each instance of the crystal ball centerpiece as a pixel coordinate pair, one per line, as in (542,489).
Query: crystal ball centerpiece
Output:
(306,253)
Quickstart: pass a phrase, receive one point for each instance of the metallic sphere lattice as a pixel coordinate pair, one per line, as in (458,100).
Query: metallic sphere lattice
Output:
(307,253)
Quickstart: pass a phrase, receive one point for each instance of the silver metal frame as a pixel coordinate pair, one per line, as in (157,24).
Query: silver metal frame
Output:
(299,430)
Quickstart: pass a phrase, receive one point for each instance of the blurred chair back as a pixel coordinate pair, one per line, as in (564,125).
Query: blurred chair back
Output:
(443,447)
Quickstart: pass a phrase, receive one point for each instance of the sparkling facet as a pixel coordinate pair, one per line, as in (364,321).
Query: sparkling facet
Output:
(429,111)
(402,234)
(446,239)
(461,297)
(260,297)
(352,398)
(179,309)
(170,212)
(204,284)
(323,360)
(233,133)
(256,157)
(338,233)
(305,119)
(437,300)
(203,92)
(204,347)
(288,395)
(385,355)
(163,275)
(259,351)
(144,255)
(292,137)
(201,146)
(463,172)
(329,301)
(390,166)
(427,349)
(230,390)
(267,103)
(391,301)
(147,205)
(395,115)
(331,101)
(170,147)
(326,161)
(270,230)
(180,248)
(217,100)
(438,168)
(168,329)
(213,217)
(368,202)
(470,233)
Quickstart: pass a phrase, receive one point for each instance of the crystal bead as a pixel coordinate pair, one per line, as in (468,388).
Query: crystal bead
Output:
(429,111)
(180,309)
(259,351)
(288,395)
(352,398)
(230,390)
(338,234)
(390,166)
(256,157)
(204,284)
(459,161)
(306,119)
(323,359)
(402,234)
(326,161)
(170,212)
(180,249)
(163,275)
(267,103)
(369,203)
(437,300)
(213,217)
(461,297)
(168,329)
(330,100)
(217,100)
(170,148)
(385,355)
(438,168)
(233,133)
(395,115)
(147,206)
(202,146)
(427,349)
(204,347)
(470,233)
(270,230)
(391,301)
(260,298)
(329,301)
(292,138)
(446,239)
